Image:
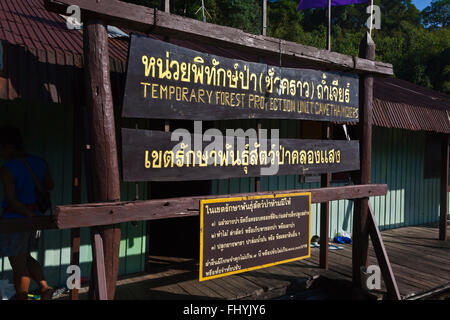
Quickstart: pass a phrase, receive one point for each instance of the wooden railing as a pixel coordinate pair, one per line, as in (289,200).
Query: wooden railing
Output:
(105,173)
(98,214)
(101,214)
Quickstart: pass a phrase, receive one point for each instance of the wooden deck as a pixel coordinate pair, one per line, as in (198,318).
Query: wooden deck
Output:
(420,262)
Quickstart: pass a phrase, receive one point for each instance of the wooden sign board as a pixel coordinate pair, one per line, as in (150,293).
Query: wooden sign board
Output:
(166,81)
(243,234)
(152,156)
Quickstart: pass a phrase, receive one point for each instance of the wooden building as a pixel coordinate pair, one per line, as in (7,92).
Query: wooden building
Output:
(41,92)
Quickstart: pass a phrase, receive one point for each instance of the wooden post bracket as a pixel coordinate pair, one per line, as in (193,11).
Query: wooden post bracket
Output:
(382,257)
(99,280)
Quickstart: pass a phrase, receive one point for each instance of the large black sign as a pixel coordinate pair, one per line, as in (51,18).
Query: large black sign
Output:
(166,81)
(162,156)
(243,234)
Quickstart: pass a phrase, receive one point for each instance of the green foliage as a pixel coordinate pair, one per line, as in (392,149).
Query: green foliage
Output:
(437,14)
(245,15)
(416,43)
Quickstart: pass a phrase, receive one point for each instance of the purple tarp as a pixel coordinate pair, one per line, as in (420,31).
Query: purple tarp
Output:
(307,4)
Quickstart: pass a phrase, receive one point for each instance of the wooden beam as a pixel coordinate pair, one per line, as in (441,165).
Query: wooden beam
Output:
(444,187)
(95,214)
(105,168)
(360,252)
(150,20)
(382,257)
(87,215)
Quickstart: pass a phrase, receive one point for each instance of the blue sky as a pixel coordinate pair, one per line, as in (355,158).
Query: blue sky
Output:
(421,4)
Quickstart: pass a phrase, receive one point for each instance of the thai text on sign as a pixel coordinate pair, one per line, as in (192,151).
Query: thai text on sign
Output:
(243,234)
(166,81)
(156,156)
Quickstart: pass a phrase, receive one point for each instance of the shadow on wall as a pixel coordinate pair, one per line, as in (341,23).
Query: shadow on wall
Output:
(45,87)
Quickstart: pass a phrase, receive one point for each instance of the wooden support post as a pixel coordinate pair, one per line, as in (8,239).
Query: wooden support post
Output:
(105,169)
(101,291)
(360,237)
(444,189)
(324,211)
(382,257)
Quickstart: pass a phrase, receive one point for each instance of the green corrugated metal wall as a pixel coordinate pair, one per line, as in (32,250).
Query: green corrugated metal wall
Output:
(398,160)
(47,131)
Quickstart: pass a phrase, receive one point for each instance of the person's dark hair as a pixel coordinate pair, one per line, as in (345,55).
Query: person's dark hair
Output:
(10,135)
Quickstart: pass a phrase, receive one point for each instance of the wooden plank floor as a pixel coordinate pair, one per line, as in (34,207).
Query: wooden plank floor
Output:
(420,262)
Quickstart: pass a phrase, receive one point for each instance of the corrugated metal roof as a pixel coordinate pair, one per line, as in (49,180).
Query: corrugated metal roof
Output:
(397,103)
(404,105)
(28,23)
(43,59)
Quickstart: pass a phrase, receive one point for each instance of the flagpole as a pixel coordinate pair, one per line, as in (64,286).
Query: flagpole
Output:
(203,11)
(264,18)
(167,6)
(371,18)
(329,27)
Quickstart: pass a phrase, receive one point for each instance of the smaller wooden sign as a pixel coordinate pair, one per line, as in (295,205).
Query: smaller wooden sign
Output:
(162,156)
(243,234)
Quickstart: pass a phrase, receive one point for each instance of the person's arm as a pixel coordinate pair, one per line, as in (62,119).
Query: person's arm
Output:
(9,188)
(48,180)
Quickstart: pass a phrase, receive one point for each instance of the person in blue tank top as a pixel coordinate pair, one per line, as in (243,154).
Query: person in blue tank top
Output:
(20,202)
